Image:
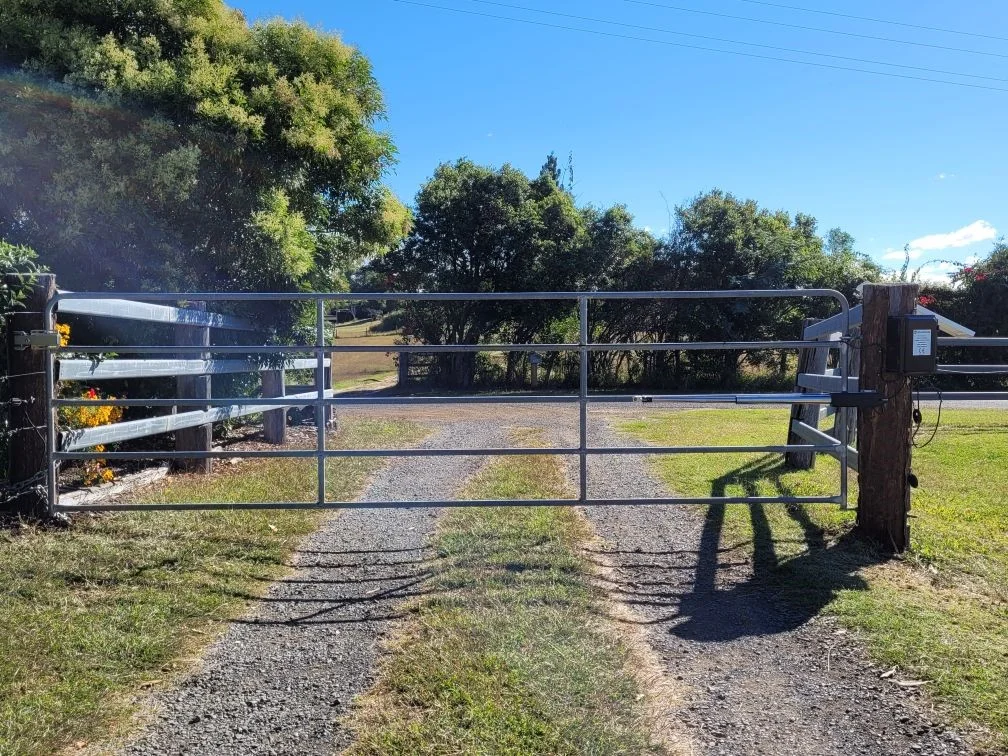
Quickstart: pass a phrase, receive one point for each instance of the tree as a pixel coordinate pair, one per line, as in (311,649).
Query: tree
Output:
(166,144)
(482,230)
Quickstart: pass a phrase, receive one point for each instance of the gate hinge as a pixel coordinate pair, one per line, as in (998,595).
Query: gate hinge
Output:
(858,399)
(36,340)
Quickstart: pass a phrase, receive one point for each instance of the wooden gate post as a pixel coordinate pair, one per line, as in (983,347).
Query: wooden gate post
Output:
(26,391)
(199,438)
(884,432)
(810,360)
(274,421)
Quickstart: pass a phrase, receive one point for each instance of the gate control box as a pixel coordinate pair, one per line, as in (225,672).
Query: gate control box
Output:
(912,345)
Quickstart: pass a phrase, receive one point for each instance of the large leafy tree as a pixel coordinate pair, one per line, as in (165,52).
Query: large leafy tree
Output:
(167,144)
(483,230)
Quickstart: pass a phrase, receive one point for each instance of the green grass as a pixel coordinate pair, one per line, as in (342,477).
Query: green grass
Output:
(90,615)
(509,653)
(941,613)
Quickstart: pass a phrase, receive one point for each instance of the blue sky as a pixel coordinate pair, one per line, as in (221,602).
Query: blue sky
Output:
(891,160)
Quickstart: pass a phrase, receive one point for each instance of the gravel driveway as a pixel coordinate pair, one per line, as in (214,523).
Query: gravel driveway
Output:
(279,680)
(755,677)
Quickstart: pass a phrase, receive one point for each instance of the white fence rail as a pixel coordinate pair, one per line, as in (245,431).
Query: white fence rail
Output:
(112,369)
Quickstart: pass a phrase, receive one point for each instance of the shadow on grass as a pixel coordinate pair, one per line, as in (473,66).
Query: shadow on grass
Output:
(748,588)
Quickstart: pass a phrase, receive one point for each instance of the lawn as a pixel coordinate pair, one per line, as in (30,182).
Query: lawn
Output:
(941,612)
(509,653)
(91,615)
(361,369)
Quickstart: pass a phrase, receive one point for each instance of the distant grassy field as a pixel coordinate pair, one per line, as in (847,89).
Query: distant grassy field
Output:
(358,369)
(91,614)
(941,613)
(507,655)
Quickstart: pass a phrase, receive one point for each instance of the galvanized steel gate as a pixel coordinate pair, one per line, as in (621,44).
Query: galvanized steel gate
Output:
(322,351)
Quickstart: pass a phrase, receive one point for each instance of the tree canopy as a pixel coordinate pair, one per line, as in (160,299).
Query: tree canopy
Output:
(481,229)
(169,144)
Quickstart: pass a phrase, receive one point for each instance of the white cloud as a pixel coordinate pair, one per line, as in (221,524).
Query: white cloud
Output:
(647,229)
(977,231)
(935,272)
(942,176)
(899,254)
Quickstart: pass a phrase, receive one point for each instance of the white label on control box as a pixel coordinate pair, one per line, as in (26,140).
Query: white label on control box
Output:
(922,343)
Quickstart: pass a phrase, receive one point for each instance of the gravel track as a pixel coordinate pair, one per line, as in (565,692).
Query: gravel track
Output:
(279,680)
(755,677)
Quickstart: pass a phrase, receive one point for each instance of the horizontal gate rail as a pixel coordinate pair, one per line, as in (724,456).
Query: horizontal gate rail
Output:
(408,504)
(536,451)
(317,356)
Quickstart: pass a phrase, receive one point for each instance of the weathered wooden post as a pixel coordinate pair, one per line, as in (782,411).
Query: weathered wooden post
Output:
(26,394)
(404,360)
(534,360)
(884,441)
(274,421)
(809,361)
(199,438)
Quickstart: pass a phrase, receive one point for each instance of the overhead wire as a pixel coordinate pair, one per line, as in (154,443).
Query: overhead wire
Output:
(890,22)
(662,30)
(614,35)
(718,14)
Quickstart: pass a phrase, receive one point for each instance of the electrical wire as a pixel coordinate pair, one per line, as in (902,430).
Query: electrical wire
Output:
(784,24)
(667,43)
(875,20)
(777,48)
(918,417)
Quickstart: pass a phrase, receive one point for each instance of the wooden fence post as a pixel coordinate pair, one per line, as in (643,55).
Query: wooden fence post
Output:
(26,448)
(404,366)
(884,432)
(811,360)
(274,421)
(200,438)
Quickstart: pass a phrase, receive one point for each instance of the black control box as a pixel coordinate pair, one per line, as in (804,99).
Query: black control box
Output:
(912,345)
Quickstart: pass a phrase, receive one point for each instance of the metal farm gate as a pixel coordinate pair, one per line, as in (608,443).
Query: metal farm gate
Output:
(198,357)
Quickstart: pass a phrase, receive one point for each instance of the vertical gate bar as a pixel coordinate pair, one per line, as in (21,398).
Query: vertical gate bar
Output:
(842,417)
(583,399)
(52,480)
(320,428)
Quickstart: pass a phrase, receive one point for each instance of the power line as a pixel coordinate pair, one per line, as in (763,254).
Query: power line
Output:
(876,20)
(667,43)
(815,29)
(662,30)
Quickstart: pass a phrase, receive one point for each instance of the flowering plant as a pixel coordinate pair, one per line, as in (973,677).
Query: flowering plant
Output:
(75,418)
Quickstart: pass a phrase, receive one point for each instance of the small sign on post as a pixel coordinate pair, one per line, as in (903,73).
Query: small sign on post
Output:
(534,360)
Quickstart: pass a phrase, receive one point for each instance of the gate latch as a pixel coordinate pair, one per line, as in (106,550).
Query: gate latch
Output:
(36,340)
(858,399)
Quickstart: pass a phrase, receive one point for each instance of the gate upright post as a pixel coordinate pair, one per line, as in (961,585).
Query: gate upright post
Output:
(884,441)
(31,420)
(200,438)
(583,399)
